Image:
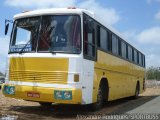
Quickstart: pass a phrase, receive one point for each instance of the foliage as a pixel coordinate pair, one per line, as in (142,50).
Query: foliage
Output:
(1,74)
(153,73)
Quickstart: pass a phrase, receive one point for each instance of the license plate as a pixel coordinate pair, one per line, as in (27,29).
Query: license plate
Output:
(33,94)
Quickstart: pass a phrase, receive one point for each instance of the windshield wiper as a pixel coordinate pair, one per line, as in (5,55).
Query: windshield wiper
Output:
(25,46)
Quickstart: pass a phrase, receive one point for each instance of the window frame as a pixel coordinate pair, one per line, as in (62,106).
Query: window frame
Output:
(36,49)
(94,44)
(13,35)
(99,42)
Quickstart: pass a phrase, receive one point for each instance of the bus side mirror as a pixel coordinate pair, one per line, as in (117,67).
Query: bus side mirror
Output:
(7,25)
(6,28)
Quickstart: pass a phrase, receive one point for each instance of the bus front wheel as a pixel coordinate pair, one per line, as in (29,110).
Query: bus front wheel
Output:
(45,104)
(100,96)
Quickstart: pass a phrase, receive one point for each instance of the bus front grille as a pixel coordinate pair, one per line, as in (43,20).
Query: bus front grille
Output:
(55,77)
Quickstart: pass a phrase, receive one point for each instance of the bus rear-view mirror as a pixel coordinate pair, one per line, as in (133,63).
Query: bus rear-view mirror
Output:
(6,28)
(7,22)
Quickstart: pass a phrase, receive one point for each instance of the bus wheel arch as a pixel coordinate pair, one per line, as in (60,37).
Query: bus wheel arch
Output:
(105,87)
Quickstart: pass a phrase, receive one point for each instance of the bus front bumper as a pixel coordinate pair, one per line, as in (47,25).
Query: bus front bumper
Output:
(44,94)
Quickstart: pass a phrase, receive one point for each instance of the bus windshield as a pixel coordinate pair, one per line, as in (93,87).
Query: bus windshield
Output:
(51,33)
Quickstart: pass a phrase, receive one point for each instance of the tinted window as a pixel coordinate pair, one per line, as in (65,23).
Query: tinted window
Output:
(60,33)
(144,62)
(103,39)
(140,59)
(123,49)
(130,53)
(135,56)
(114,44)
(119,47)
(89,37)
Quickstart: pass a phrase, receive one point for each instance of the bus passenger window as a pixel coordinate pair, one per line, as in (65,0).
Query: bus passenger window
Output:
(114,44)
(119,47)
(140,59)
(103,39)
(123,49)
(135,56)
(130,53)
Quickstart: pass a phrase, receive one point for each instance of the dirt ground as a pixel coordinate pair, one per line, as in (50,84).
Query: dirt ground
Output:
(24,110)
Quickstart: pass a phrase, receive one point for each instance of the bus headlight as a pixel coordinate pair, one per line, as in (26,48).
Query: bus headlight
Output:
(63,95)
(9,90)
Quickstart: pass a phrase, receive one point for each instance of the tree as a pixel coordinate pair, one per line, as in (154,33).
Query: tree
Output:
(153,73)
(1,74)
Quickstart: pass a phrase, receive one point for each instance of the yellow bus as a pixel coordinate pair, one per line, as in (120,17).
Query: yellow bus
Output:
(67,56)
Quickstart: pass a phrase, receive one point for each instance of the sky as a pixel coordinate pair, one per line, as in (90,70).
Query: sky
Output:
(137,20)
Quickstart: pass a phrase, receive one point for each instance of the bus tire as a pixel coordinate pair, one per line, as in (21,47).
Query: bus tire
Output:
(137,91)
(45,104)
(100,95)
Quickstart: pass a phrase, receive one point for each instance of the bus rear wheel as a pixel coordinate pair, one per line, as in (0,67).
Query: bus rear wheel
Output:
(100,95)
(137,91)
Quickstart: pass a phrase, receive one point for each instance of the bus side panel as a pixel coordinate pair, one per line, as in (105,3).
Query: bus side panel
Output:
(122,76)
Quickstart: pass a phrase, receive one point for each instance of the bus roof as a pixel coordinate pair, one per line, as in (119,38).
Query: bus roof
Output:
(53,11)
